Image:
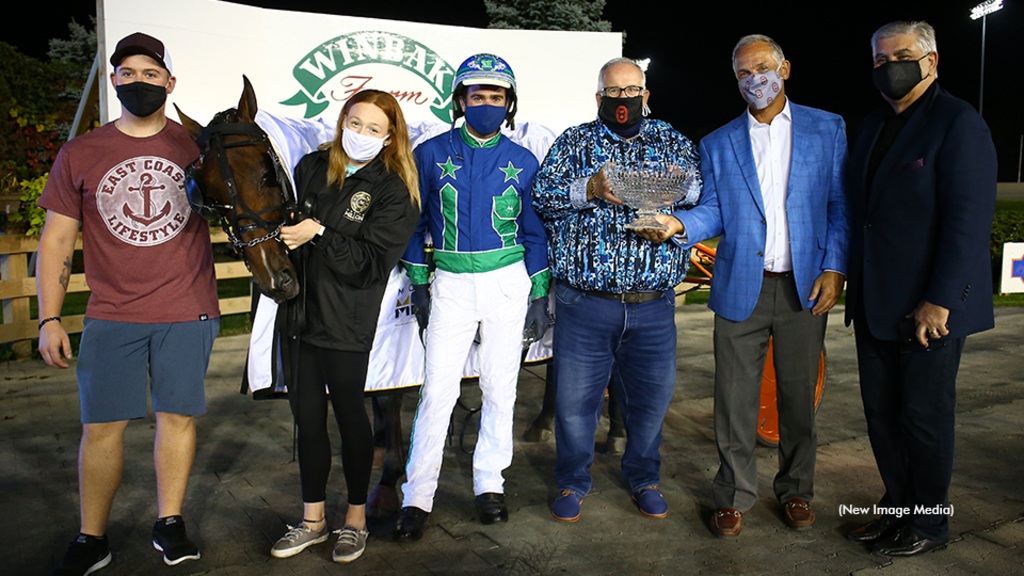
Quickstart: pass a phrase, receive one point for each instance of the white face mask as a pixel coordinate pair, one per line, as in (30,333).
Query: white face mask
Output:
(359,147)
(760,90)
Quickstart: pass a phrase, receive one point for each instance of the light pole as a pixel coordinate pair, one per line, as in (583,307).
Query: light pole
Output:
(982,11)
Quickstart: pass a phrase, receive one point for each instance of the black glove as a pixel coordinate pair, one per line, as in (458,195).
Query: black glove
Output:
(537,318)
(421,300)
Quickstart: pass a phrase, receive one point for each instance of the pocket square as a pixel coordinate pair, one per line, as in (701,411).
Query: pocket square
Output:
(919,163)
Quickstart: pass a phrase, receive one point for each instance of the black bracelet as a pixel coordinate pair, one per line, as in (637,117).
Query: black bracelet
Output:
(317,237)
(50,319)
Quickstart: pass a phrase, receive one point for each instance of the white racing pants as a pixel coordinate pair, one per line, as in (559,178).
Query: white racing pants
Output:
(496,302)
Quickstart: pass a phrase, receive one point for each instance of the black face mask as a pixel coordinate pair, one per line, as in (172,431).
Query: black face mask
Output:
(897,78)
(621,114)
(141,98)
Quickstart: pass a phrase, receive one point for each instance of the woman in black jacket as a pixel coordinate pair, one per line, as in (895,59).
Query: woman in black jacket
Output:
(360,199)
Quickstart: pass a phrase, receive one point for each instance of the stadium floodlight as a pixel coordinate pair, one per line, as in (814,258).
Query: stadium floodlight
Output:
(982,11)
(986,8)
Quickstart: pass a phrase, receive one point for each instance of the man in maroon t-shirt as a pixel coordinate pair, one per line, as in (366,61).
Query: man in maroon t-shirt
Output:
(153,312)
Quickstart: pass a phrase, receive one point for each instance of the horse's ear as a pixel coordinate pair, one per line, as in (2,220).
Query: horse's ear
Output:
(247,103)
(194,128)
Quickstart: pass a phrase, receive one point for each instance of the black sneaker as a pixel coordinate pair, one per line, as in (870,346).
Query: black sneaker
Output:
(85,555)
(169,537)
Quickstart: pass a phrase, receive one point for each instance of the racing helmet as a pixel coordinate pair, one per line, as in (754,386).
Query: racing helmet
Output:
(489,70)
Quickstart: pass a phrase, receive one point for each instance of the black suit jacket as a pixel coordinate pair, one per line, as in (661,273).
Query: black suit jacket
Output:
(922,231)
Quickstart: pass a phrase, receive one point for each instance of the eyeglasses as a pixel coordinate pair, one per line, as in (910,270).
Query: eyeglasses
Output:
(615,91)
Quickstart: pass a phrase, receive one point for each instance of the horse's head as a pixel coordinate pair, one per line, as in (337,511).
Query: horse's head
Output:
(239,181)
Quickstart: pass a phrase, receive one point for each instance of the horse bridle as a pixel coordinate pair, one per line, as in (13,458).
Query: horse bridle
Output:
(211,140)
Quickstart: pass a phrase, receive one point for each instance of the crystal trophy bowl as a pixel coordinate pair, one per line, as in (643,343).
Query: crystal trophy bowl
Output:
(648,189)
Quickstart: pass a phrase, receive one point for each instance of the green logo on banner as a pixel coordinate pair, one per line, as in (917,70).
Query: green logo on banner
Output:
(331,58)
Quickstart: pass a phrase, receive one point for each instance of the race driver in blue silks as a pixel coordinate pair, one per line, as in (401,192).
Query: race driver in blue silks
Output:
(491,276)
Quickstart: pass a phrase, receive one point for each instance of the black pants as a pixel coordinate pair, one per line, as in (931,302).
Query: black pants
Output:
(909,395)
(344,374)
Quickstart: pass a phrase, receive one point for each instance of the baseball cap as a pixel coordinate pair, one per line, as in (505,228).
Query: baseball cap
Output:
(139,43)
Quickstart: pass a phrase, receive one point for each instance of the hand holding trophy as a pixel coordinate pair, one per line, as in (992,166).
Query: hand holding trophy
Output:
(648,189)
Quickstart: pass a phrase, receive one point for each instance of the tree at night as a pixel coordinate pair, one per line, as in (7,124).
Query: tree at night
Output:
(579,15)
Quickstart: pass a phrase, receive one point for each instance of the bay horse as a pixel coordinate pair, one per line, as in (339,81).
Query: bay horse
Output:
(240,182)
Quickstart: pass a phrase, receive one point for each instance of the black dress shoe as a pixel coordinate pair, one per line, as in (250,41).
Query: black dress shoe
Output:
(877,529)
(491,508)
(907,543)
(410,524)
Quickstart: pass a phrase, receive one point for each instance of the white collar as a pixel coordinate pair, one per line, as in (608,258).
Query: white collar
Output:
(753,122)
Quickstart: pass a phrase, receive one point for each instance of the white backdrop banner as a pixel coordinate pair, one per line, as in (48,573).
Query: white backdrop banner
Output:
(306,65)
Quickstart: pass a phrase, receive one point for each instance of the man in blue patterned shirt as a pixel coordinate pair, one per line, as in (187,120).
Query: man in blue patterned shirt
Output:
(614,289)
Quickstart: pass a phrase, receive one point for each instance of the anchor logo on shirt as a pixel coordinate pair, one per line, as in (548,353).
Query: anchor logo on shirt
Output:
(146,186)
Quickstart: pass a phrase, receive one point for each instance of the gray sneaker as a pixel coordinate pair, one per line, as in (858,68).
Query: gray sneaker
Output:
(297,539)
(351,544)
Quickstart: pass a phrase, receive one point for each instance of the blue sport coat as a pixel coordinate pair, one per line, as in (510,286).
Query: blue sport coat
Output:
(731,206)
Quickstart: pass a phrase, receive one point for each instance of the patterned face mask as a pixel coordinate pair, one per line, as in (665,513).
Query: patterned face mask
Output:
(760,90)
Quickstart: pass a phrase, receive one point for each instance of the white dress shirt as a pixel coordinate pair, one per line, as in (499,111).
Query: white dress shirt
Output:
(773,149)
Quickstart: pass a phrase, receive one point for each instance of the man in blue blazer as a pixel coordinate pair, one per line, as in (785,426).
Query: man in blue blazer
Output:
(923,190)
(774,192)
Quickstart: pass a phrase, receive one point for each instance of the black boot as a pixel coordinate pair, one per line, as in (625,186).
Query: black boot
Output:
(410,524)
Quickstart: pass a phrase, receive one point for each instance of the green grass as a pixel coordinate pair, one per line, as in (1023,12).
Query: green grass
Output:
(1008,299)
(1015,204)
(235,323)
(697,297)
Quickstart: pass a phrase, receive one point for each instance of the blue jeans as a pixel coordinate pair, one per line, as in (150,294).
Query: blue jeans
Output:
(595,339)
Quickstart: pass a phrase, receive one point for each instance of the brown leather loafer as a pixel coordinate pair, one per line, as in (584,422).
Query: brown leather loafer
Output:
(726,522)
(799,515)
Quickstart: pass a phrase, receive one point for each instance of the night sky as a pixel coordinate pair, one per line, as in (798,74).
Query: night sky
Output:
(690,44)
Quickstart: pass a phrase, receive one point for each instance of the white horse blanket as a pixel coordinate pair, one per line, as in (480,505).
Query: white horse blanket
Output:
(396,360)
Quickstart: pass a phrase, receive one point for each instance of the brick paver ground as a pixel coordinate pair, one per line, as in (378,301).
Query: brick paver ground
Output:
(245,486)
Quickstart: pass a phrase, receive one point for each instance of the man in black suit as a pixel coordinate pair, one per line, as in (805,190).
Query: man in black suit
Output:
(923,189)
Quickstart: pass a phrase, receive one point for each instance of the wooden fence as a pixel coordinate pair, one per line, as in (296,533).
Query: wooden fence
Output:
(17,289)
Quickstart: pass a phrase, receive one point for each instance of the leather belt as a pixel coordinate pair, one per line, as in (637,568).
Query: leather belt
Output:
(627,297)
(786,274)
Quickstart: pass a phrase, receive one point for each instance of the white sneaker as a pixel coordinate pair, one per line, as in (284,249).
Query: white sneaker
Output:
(351,544)
(297,539)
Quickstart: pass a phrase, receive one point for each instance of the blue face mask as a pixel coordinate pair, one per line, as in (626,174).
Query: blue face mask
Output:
(485,119)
